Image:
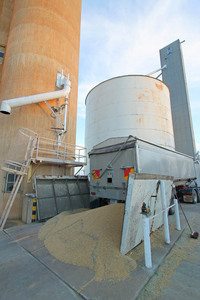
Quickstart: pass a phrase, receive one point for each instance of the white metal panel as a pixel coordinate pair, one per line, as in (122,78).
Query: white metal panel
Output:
(157,160)
(197,170)
(139,191)
(136,105)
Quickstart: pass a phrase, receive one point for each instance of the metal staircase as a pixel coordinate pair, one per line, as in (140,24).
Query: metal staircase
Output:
(21,172)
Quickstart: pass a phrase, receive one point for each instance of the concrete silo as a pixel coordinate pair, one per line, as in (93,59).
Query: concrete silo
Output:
(175,78)
(129,105)
(6,8)
(43,38)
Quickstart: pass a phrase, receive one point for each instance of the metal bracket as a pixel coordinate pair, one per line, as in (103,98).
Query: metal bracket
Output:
(61,79)
(56,116)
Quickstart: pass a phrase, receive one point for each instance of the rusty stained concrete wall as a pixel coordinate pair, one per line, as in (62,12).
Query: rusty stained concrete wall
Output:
(6,8)
(44,37)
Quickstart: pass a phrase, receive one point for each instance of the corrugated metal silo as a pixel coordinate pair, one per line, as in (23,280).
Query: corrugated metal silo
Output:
(129,105)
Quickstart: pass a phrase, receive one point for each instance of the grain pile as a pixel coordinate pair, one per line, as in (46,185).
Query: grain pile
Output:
(182,251)
(90,239)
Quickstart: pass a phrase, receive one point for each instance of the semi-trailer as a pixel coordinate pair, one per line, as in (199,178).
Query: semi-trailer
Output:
(112,160)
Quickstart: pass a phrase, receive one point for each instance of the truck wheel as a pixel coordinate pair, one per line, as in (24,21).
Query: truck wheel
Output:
(194,197)
(198,194)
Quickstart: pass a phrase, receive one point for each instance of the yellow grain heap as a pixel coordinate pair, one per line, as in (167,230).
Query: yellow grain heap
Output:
(90,239)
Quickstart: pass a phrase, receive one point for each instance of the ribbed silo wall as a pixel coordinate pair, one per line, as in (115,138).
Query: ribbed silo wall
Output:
(43,38)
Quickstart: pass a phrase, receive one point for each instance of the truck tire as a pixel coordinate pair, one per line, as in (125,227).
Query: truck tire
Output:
(194,197)
(198,194)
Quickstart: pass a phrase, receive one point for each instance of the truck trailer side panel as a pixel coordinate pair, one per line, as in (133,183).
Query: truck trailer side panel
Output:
(111,162)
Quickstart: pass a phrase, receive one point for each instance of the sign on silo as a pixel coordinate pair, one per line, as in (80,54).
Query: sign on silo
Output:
(174,77)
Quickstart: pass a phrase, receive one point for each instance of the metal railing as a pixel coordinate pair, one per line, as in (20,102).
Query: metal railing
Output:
(48,149)
(146,227)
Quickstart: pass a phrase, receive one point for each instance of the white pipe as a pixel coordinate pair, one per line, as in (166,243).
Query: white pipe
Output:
(165,213)
(178,224)
(137,157)
(6,105)
(65,116)
(147,242)
(164,67)
(64,130)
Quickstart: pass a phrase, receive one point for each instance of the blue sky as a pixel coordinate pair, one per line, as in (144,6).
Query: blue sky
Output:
(124,37)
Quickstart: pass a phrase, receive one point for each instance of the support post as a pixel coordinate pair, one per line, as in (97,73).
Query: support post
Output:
(165,213)
(147,242)
(178,224)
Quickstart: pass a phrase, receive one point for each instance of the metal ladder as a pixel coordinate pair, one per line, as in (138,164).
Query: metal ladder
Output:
(21,173)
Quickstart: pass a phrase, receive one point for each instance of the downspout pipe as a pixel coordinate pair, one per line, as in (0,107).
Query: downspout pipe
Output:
(6,105)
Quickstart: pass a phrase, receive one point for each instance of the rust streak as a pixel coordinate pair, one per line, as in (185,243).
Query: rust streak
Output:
(140,120)
(144,96)
(159,86)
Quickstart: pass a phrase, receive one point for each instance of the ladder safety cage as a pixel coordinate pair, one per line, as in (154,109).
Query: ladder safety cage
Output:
(19,167)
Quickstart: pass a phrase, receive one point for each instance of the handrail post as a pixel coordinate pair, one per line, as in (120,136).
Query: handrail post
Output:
(37,152)
(165,212)
(64,150)
(178,224)
(147,242)
(79,155)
